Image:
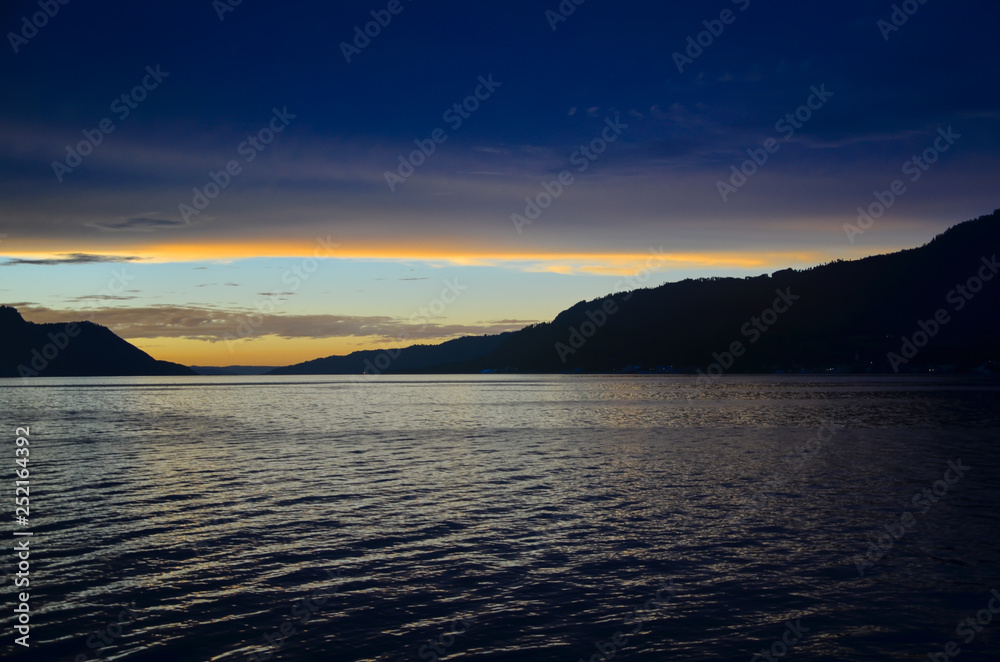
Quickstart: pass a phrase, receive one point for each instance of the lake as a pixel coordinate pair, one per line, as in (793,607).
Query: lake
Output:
(506,517)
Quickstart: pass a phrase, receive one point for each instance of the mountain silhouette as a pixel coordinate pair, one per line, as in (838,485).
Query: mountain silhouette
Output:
(75,349)
(932,308)
(416,358)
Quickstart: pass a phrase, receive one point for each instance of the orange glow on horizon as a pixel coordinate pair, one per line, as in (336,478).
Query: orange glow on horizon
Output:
(601,263)
(262,350)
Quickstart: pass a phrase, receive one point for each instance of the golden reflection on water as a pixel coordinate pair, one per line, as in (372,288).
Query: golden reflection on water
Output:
(548,506)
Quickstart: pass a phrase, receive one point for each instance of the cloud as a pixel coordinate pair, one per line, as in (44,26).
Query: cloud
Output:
(138,225)
(103,297)
(218,324)
(72,258)
(512,322)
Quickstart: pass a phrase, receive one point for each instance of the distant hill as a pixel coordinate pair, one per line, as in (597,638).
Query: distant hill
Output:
(416,358)
(233,370)
(75,349)
(846,316)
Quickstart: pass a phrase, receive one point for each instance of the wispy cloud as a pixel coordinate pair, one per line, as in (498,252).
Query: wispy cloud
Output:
(103,297)
(72,258)
(141,224)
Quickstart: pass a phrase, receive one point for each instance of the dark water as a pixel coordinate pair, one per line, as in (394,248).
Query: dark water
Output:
(506,518)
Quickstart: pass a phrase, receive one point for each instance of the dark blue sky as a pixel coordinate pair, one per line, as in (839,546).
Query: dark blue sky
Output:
(611,55)
(225,76)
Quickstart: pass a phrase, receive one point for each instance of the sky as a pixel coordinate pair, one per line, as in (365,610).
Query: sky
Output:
(264,183)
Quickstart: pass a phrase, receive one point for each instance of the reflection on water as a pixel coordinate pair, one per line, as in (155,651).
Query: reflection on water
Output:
(501,517)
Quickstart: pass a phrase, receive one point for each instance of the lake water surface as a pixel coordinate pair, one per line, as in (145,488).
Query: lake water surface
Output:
(505,518)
